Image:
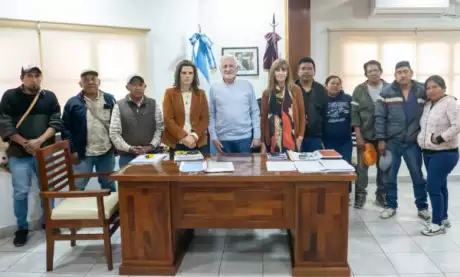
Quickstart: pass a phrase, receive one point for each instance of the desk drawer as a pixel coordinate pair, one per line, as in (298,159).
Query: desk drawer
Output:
(230,205)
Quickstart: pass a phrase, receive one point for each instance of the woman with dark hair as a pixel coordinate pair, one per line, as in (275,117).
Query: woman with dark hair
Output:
(438,138)
(337,130)
(282,111)
(186,113)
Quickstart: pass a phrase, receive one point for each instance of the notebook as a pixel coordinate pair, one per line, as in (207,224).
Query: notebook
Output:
(149,159)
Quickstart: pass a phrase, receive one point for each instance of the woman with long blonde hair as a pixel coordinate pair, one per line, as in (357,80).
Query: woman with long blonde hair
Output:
(282,111)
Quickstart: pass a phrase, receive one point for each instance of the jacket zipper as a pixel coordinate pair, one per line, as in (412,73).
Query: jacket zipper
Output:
(426,127)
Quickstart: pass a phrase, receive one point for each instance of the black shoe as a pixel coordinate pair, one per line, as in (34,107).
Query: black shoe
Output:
(20,237)
(360,200)
(380,200)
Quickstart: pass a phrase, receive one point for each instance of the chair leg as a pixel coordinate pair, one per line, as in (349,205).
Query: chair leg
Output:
(49,249)
(73,232)
(108,246)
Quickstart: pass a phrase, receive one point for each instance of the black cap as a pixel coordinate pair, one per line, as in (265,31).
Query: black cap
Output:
(403,64)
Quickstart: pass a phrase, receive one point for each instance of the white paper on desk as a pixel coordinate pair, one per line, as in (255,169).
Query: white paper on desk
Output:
(192,166)
(281,166)
(142,159)
(337,165)
(213,167)
(309,166)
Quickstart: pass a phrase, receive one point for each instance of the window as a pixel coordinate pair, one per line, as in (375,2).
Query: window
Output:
(18,46)
(428,52)
(63,51)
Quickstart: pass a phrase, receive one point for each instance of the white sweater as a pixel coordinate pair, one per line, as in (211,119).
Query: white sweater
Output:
(442,119)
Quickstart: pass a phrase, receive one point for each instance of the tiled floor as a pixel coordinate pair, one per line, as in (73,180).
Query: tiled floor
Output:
(376,248)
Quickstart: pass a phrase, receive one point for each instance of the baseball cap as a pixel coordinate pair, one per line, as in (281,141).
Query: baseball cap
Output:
(385,161)
(89,71)
(403,64)
(28,68)
(133,76)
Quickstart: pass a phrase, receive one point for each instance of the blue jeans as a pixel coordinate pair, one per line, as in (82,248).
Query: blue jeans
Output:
(438,166)
(237,146)
(22,170)
(412,155)
(345,148)
(102,163)
(311,144)
(125,159)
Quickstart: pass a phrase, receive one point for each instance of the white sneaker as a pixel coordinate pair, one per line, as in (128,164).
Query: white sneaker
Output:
(446,223)
(387,213)
(433,230)
(424,214)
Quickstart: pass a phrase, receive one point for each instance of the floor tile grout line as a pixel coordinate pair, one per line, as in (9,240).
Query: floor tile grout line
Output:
(222,254)
(424,252)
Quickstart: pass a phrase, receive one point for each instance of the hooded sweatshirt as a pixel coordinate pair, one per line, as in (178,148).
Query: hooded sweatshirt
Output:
(337,129)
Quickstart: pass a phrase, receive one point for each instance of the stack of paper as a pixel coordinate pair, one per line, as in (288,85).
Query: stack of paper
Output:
(277,156)
(281,166)
(213,167)
(192,166)
(188,156)
(337,166)
(149,159)
(309,166)
(307,156)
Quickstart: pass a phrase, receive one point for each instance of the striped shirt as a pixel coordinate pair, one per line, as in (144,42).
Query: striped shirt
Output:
(116,129)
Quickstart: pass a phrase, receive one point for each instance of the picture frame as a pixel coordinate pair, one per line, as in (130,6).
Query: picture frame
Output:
(247,59)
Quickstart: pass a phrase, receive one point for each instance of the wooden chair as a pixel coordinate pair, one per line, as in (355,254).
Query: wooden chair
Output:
(78,209)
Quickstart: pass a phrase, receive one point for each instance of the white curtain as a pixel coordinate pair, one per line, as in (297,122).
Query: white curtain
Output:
(429,52)
(64,51)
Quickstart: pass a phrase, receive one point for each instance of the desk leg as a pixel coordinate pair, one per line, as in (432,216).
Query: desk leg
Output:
(320,238)
(149,243)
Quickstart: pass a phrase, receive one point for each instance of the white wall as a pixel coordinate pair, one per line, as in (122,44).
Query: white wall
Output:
(240,24)
(354,14)
(171,22)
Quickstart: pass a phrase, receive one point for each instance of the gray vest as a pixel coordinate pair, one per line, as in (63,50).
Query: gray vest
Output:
(138,124)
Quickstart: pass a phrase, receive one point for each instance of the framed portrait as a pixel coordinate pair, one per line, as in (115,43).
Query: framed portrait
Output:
(247,59)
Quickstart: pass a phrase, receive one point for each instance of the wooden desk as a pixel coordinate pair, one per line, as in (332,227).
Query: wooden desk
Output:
(159,207)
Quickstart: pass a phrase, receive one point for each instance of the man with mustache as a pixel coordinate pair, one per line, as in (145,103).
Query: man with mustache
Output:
(362,119)
(137,122)
(26,135)
(315,102)
(397,124)
(235,116)
(86,125)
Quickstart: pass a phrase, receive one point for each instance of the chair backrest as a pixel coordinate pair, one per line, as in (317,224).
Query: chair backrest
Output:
(55,167)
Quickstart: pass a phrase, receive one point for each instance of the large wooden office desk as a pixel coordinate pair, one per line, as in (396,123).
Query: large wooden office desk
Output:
(159,207)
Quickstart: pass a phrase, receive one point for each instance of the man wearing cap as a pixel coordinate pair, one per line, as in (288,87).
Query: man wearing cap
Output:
(86,120)
(397,124)
(26,134)
(137,122)
(362,119)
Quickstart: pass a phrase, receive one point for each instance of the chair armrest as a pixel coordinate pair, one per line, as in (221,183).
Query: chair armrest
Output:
(91,174)
(75,194)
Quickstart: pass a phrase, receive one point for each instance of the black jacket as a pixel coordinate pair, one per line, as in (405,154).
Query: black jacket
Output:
(46,113)
(315,102)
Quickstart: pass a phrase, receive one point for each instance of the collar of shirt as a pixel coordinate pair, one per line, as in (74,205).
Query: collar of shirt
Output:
(97,97)
(138,104)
